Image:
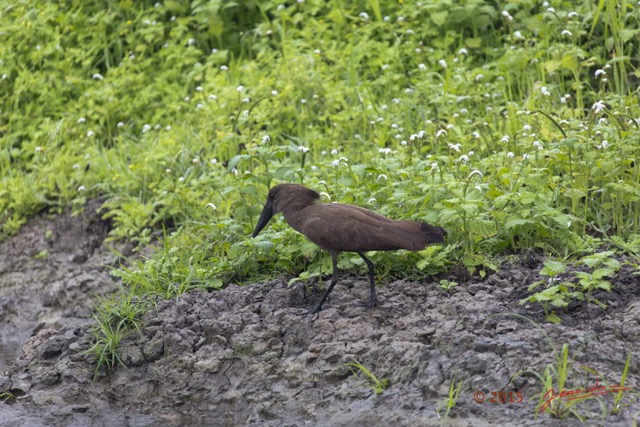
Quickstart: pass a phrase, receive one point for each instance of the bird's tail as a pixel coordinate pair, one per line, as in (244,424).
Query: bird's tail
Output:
(433,234)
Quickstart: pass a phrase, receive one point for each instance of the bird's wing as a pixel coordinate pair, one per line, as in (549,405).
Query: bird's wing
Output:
(341,227)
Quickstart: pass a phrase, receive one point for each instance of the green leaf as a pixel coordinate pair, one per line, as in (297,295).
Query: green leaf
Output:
(439,18)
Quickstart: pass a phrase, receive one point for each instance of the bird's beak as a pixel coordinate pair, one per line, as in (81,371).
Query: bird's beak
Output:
(265,216)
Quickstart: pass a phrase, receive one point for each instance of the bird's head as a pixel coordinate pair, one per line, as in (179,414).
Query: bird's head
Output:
(284,197)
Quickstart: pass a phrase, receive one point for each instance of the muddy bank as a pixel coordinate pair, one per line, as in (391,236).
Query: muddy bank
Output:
(51,272)
(247,356)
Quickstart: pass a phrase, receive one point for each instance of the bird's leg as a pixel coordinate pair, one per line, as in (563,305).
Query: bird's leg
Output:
(373,300)
(334,280)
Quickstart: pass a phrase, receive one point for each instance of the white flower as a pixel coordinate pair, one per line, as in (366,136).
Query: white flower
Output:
(384,67)
(75,166)
(39,149)
(303,149)
(475,172)
(545,91)
(199,106)
(510,155)
(572,15)
(384,150)
(187,99)
(167,170)
(274,92)
(538,145)
(422,134)
(132,57)
(199,89)
(605,143)
(90,134)
(240,88)
(224,68)
(82,120)
(518,35)
(422,67)
(334,151)
(463,51)
(212,206)
(382,176)
(120,124)
(475,134)
(364,15)
(146,128)
(434,166)
(443,63)
(413,137)
(82,188)
(372,200)
(525,156)
(600,72)
(400,19)
(464,158)
(408,91)
(403,142)
(395,101)
(527,127)
(394,126)
(440,133)
(507,16)
(246,100)
(551,10)
(505,139)
(566,33)
(598,107)
(97,76)
(195,160)
(455,147)
(479,77)
(168,127)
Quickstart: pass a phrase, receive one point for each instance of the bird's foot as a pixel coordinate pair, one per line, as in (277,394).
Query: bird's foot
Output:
(317,309)
(370,303)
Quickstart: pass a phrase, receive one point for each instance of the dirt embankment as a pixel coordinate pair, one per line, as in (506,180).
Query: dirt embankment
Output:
(248,356)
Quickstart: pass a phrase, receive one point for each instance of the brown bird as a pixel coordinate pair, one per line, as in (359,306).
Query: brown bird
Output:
(344,228)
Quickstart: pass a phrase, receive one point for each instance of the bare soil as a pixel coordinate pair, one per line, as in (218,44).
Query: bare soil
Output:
(249,356)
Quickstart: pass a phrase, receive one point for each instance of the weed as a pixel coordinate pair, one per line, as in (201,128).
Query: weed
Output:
(378,386)
(450,402)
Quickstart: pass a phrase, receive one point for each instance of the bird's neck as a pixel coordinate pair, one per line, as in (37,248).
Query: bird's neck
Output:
(295,216)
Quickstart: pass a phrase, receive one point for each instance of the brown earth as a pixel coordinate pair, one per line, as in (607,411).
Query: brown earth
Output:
(249,356)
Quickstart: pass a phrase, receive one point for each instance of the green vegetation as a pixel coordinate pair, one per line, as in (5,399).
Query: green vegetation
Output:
(450,402)
(377,386)
(513,127)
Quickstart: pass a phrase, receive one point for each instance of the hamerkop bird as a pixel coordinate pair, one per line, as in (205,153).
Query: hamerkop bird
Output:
(344,228)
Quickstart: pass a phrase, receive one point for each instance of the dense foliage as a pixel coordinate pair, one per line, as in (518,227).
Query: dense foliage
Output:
(514,127)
